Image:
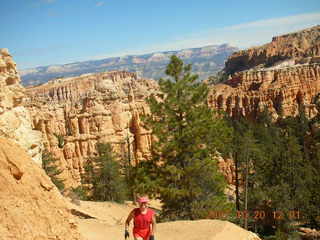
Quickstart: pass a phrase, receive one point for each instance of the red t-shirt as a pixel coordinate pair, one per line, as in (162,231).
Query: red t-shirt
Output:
(142,222)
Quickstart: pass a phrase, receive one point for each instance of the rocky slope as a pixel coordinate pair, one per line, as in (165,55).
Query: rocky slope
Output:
(206,62)
(281,86)
(74,114)
(31,206)
(15,121)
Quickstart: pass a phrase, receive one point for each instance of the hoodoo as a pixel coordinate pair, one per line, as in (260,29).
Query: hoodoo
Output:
(280,76)
(91,108)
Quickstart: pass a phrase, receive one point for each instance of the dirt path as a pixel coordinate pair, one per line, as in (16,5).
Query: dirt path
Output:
(111,217)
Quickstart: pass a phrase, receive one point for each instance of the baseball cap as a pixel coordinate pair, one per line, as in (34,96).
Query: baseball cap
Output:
(143,200)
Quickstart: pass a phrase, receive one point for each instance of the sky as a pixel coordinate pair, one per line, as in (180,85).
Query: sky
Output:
(46,32)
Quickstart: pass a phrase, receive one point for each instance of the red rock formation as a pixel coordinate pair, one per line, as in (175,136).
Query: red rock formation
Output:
(103,107)
(279,76)
(303,46)
(227,168)
(31,206)
(279,90)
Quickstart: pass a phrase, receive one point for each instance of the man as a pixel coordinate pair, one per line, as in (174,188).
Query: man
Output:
(144,221)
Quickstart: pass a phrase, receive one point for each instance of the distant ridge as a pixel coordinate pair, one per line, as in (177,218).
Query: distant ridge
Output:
(206,61)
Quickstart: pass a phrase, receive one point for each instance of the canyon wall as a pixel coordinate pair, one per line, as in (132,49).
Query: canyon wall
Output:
(280,76)
(74,114)
(281,91)
(298,47)
(15,121)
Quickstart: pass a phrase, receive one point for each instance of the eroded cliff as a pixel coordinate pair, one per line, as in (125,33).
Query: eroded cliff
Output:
(281,91)
(280,76)
(15,121)
(299,47)
(75,113)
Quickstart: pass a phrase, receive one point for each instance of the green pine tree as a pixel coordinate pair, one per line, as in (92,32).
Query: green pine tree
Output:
(104,175)
(49,164)
(188,136)
(281,172)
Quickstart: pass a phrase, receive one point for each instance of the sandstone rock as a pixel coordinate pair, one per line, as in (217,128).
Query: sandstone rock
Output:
(308,234)
(91,108)
(227,167)
(15,122)
(4,52)
(299,46)
(281,91)
(280,76)
(28,210)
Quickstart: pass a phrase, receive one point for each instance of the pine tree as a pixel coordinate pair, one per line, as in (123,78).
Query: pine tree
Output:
(284,172)
(49,164)
(281,173)
(311,209)
(188,136)
(243,150)
(104,175)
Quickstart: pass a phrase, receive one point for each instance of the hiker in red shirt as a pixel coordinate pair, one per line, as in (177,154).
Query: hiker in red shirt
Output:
(144,221)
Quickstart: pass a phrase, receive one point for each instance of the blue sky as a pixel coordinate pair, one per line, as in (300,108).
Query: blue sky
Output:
(43,32)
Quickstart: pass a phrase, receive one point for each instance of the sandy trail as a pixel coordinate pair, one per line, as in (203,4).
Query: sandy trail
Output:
(111,217)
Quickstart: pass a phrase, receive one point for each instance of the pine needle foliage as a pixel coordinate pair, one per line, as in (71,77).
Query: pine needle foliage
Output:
(188,136)
(104,175)
(283,157)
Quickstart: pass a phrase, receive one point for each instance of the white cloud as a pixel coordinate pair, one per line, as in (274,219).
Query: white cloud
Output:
(249,34)
(275,22)
(100,3)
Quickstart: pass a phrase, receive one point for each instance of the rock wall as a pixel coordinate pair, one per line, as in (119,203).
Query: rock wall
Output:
(15,121)
(299,47)
(31,206)
(91,108)
(280,90)
(279,76)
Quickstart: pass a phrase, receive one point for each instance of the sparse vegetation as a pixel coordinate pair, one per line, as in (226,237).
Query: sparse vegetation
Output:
(79,193)
(218,78)
(49,164)
(60,140)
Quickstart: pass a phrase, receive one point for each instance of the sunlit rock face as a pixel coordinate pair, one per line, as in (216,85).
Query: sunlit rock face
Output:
(281,91)
(15,121)
(289,49)
(280,76)
(31,206)
(74,114)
